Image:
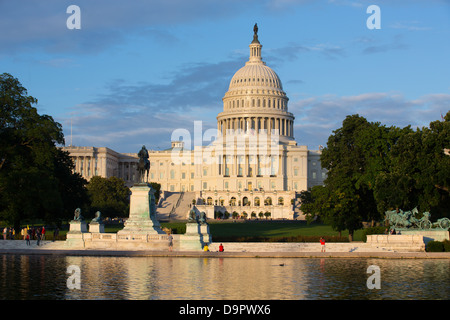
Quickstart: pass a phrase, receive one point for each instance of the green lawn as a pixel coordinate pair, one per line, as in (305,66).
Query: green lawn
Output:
(268,230)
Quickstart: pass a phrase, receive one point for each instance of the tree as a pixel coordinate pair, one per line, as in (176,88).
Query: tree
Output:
(157,188)
(352,170)
(419,172)
(32,168)
(71,185)
(110,196)
(373,168)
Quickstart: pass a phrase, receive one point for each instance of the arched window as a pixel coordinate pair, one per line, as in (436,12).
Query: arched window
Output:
(280,201)
(232,201)
(257,203)
(268,201)
(209,201)
(245,201)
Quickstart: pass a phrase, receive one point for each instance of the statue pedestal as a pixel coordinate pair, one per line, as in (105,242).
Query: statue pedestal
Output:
(96,227)
(429,235)
(196,236)
(142,219)
(77,226)
(75,236)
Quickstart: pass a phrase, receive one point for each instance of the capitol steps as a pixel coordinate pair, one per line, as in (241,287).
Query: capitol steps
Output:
(181,211)
(166,204)
(175,205)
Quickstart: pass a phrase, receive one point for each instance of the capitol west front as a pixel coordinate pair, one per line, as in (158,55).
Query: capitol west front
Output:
(253,167)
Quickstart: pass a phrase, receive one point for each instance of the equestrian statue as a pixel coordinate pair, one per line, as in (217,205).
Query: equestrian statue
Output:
(143,165)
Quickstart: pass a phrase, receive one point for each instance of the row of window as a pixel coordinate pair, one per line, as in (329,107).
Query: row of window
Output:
(226,186)
(269,103)
(262,80)
(227,173)
(244,202)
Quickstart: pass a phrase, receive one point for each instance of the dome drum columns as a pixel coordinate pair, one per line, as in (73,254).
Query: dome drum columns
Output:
(282,126)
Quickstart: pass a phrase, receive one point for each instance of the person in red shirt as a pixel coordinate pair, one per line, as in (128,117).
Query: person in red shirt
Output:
(322,244)
(221,248)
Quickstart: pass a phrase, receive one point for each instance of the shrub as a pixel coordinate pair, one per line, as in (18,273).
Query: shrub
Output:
(446,245)
(435,246)
(372,230)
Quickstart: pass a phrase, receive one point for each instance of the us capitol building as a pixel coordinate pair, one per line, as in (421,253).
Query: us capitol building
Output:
(254,167)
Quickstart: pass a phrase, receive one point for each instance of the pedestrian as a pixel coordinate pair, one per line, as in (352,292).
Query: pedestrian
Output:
(38,236)
(55,234)
(43,233)
(27,238)
(24,233)
(221,248)
(322,244)
(5,231)
(170,242)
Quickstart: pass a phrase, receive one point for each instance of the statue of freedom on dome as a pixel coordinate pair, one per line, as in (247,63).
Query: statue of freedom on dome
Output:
(255,35)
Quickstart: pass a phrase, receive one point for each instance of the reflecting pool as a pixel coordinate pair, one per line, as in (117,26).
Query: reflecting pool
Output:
(173,278)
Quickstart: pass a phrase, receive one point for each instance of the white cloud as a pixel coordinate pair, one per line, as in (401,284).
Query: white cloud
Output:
(317,117)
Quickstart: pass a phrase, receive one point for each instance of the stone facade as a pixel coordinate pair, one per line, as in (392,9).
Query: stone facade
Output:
(254,156)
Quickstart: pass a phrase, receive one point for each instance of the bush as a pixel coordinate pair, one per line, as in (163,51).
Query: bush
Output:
(446,245)
(372,230)
(435,246)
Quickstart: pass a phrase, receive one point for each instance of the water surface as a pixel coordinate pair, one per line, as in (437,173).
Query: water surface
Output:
(173,278)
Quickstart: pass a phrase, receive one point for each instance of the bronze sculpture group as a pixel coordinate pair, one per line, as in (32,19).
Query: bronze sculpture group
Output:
(408,219)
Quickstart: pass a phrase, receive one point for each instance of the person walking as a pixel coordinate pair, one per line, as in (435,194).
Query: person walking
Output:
(43,233)
(27,238)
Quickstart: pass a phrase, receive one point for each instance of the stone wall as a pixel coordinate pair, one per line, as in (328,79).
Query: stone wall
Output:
(404,243)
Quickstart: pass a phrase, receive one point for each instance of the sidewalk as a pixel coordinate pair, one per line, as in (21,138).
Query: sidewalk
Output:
(309,250)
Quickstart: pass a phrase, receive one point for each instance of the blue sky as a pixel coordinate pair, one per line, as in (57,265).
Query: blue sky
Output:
(137,70)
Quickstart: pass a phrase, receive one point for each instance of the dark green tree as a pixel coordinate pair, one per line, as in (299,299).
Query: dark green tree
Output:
(157,188)
(419,171)
(31,167)
(351,173)
(110,196)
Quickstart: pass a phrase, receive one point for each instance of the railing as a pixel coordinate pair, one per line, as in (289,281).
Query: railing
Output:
(128,237)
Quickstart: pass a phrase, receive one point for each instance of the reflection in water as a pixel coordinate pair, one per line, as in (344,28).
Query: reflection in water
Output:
(44,277)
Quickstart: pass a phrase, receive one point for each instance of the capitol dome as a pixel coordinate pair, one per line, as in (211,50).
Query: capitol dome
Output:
(255,99)
(256,75)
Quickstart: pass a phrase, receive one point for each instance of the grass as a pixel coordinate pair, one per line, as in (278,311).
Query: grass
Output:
(269,231)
